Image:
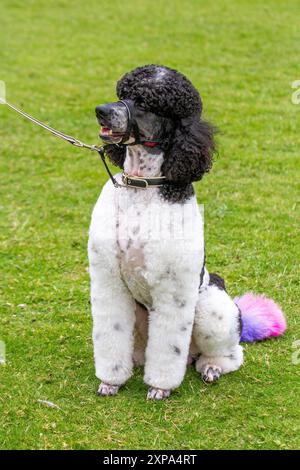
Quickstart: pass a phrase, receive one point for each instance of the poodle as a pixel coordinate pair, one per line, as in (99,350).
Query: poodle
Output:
(153,300)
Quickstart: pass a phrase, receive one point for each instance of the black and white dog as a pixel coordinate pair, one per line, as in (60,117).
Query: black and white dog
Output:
(152,298)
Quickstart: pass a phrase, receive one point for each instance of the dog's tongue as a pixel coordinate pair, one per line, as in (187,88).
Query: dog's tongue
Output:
(106,131)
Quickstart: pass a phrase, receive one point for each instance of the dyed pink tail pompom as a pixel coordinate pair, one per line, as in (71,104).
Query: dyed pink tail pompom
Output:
(262,318)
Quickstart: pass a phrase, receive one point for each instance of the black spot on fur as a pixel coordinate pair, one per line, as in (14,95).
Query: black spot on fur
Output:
(231,357)
(135,230)
(180,303)
(176,350)
(207,337)
(216,280)
(117,327)
(95,248)
(220,317)
(183,328)
(116,368)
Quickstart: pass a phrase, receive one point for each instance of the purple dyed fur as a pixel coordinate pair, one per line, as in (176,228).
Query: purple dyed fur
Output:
(261,317)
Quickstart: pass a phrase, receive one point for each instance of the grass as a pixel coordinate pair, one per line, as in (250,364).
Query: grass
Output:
(58,61)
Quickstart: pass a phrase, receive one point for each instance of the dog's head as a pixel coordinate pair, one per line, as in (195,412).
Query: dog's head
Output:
(127,123)
(159,104)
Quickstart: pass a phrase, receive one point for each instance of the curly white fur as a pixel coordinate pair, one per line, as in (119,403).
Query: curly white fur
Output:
(143,248)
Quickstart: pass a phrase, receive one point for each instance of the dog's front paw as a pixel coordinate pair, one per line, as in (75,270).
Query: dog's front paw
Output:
(106,390)
(210,373)
(158,394)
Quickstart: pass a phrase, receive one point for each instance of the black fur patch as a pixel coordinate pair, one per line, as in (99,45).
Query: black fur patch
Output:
(176,350)
(216,280)
(202,271)
(240,323)
(176,194)
(116,154)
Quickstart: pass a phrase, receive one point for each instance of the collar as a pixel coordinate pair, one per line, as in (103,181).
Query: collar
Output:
(141,182)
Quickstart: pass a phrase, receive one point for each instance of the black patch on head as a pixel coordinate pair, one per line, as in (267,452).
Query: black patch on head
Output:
(216,280)
(160,90)
(176,350)
(187,140)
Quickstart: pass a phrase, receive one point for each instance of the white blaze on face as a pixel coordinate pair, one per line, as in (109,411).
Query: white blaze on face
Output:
(2,92)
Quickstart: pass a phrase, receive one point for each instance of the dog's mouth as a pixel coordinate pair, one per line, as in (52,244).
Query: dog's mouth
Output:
(109,135)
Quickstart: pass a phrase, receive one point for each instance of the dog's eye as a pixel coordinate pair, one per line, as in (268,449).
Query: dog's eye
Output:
(139,113)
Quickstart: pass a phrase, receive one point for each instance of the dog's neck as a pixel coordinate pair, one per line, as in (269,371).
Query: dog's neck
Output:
(143,161)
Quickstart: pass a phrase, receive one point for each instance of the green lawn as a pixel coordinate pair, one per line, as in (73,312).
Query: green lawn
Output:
(59,59)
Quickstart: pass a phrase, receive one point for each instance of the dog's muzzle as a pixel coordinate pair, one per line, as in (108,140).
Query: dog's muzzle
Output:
(131,135)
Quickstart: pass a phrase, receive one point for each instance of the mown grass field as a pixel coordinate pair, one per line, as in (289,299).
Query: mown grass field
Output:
(59,59)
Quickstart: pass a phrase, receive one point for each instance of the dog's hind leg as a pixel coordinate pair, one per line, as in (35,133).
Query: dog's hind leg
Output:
(217,330)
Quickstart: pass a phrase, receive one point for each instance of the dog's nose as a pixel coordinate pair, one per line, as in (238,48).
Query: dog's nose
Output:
(103,110)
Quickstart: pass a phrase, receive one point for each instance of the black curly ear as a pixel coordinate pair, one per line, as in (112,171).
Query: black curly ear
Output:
(116,154)
(190,155)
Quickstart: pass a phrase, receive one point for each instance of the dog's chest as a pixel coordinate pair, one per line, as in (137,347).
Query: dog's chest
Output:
(134,223)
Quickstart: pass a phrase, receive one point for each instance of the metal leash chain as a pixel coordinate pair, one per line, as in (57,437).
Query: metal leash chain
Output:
(67,138)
